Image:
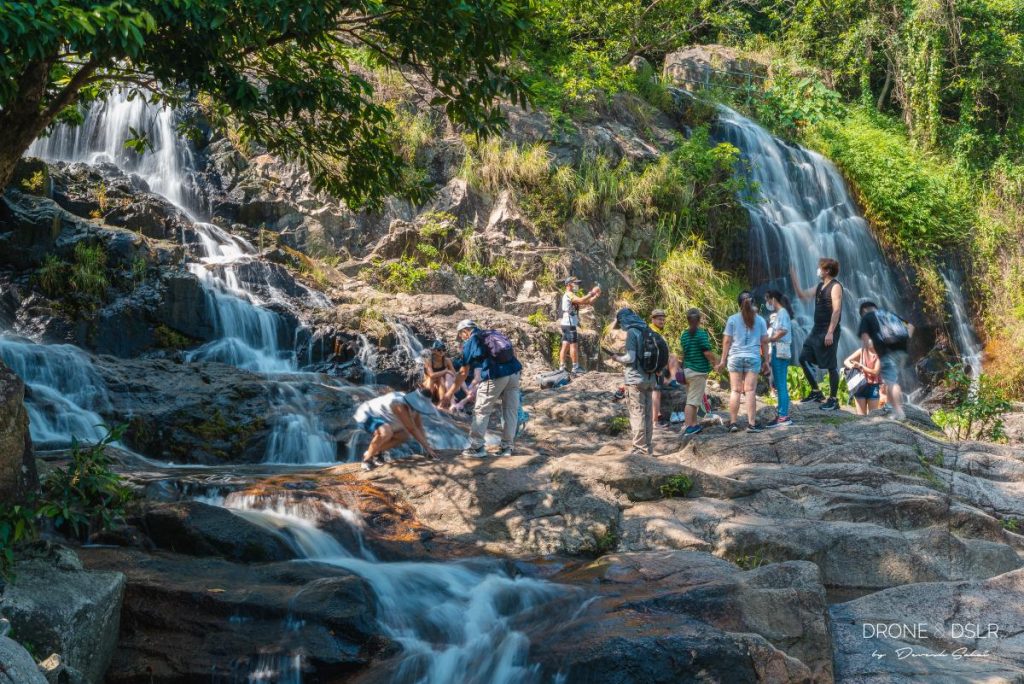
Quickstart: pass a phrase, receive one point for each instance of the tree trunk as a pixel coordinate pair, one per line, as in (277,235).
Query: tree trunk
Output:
(885,88)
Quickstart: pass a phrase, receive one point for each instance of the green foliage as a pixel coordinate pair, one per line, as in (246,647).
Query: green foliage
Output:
(35,183)
(972,410)
(685,279)
(168,338)
(1010,524)
(18,524)
(89,272)
(402,275)
(52,276)
(279,74)
(86,496)
(790,103)
(751,561)
(676,486)
(618,425)
(539,319)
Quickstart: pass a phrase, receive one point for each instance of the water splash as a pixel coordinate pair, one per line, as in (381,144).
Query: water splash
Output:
(803,211)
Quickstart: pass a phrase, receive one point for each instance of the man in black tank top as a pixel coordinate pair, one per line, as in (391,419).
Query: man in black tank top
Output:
(822,344)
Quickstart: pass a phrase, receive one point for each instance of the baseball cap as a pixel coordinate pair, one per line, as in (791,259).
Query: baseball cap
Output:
(419,402)
(571,280)
(465,323)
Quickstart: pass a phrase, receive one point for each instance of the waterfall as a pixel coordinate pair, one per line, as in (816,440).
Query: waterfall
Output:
(166,166)
(64,392)
(455,621)
(248,334)
(802,211)
(967,344)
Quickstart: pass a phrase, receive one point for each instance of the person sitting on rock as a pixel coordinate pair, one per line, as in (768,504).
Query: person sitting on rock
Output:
(438,373)
(391,419)
(570,320)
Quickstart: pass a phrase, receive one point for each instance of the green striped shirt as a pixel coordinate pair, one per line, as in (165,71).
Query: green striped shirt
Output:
(693,347)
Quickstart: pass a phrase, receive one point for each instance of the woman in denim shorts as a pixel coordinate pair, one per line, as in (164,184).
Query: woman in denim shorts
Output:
(745,345)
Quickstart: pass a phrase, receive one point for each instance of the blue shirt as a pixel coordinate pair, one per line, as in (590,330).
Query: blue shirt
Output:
(746,342)
(475,355)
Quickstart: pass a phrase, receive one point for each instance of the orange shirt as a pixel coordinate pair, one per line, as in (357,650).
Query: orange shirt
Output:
(869,359)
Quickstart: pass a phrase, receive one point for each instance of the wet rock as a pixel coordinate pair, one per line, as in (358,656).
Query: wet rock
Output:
(150,215)
(199,529)
(190,619)
(61,608)
(16,665)
(17,465)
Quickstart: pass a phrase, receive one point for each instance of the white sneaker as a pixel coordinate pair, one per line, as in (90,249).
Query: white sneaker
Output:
(368,466)
(507,451)
(475,453)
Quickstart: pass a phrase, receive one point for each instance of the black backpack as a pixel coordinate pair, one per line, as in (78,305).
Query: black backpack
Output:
(653,357)
(892,331)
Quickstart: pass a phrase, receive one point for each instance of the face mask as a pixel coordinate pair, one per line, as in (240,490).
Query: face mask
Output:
(770,306)
(821,274)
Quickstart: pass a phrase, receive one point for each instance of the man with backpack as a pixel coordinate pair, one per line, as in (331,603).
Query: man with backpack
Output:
(645,357)
(493,354)
(889,335)
(569,321)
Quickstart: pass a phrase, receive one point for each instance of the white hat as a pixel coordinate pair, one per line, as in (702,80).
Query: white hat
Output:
(465,323)
(419,402)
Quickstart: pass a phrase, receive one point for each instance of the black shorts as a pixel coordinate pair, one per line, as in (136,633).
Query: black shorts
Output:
(816,353)
(569,334)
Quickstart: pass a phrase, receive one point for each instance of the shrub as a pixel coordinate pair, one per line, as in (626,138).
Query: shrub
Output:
(538,319)
(168,338)
(53,275)
(89,271)
(688,279)
(34,184)
(85,496)
(676,486)
(973,409)
(618,425)
(18,523)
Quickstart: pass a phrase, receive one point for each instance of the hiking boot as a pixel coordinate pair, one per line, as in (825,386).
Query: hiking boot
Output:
(479,452)
(578,370)
(733,427)
(756,427)
(831,405)
(816,395)
(692,430)
(781,421)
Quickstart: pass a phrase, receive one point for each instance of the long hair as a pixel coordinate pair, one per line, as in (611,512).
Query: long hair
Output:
(747,310)
(781,299)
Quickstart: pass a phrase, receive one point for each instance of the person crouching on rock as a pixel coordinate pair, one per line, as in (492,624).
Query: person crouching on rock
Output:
(391,419)
(438,373)
(493,354)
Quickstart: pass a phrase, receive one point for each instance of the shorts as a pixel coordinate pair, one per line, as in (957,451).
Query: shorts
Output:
(569,334)
(696,386)
(867,391)
(744,364)
(373,423)
(815,352)
(891,363)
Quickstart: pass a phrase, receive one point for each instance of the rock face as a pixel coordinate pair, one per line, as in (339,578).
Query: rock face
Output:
(61,608)
(189,619)
(17,465)
(898,635)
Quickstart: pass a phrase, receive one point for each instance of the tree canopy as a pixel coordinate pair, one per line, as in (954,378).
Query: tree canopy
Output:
(279,70)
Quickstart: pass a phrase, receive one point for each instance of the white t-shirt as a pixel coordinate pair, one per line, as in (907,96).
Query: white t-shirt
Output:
(381,407)
(746,342)
(570,313)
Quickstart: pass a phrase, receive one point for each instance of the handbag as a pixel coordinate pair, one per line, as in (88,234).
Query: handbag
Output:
(854,380)
(704,408)
(783,350)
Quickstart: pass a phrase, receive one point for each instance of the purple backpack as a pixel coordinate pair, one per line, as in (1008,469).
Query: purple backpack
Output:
(498,346)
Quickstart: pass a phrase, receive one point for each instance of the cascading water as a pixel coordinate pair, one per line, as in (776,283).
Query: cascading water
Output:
(967,344)
(454,621)
(802,211)
(165,166)
(65,393)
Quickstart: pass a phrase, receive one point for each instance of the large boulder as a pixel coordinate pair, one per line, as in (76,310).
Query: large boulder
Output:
(200,529)
(59,607)
(936,632)
(17,465)
(702,65)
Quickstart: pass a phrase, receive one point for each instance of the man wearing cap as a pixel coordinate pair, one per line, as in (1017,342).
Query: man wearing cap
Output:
(570,308)
(391,419)
(499,384)
(638,383)
(667,376)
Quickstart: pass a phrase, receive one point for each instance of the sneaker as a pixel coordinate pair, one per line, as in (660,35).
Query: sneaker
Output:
(693,429)
(368,465)
(663,424)
(831,405)
(887,409)
(780,422)
(756,427)
(507,451)
(816,395)
(386,457)
(673,384)
(733,427)
(620,394)
(578,370)
(480,452)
